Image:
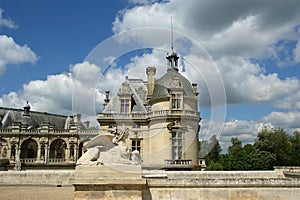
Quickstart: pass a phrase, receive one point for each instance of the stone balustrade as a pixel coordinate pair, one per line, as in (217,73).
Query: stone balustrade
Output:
(28,160)
(56,160)
(159,113)
(178,162)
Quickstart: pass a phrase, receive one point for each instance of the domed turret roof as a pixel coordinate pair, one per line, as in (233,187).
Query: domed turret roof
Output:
(172,80)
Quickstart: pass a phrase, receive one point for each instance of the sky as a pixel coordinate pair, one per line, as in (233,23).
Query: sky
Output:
(62,56)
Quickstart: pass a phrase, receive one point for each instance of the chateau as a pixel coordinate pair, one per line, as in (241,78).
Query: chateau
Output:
(161,115)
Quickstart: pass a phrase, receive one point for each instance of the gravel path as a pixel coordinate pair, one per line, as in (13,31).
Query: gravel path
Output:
(36,193)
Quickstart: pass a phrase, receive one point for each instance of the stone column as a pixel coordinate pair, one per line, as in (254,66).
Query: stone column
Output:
(67,153)
(47,150)
(76,149)
(38,159)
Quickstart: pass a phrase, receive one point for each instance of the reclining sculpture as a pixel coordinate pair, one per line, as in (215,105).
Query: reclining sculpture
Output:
(103,150)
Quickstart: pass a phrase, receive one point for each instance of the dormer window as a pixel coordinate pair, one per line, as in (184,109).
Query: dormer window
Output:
(125,106)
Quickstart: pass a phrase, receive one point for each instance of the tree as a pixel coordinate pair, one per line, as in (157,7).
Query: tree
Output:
(239,156)
(276,142)
(295,149)
(263,160)
(236,147)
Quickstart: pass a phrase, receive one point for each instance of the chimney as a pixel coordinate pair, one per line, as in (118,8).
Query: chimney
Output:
(77,118)
(106,100)
(194,85)
(150,74)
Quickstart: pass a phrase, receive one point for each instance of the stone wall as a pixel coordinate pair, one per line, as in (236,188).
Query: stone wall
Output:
(254,185)
(37,177)
(250,185)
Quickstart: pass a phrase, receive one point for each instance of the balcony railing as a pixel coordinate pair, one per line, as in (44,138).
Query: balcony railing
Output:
(50,161)
(56,161)
(28,160)
(5,130)
(150,114)
(178,162)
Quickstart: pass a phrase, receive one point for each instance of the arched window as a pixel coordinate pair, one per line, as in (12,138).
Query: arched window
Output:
(57,149)
(29,149)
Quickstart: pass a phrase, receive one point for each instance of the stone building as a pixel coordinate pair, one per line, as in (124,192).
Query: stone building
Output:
(41,140)
(161,115)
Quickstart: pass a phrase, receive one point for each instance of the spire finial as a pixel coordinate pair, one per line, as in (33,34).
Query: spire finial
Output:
(172,36)
(172,56)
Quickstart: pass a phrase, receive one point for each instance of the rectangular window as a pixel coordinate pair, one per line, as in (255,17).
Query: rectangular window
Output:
(176,145)
(124,105)
(176,101)
(136,145)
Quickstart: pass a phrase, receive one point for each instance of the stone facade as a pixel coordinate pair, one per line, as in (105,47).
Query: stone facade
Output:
(161,115)
(31,139)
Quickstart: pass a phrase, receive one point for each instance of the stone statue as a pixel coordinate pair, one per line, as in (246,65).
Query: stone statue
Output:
(108,149)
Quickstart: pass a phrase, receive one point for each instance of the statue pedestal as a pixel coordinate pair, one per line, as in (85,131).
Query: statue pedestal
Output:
(113,181)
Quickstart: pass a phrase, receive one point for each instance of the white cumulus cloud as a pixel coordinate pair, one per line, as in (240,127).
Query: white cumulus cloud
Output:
(67,93)
(13,53)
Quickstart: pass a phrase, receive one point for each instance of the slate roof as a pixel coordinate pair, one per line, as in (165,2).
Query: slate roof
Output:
(35,120)
(165,83)
(138,91)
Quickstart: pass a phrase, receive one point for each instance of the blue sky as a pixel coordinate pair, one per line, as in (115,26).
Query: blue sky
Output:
(254,44)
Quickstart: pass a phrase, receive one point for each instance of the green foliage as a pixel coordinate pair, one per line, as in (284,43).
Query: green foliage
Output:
(238,157)
(214,166)
(295,149)
(263,160)
(271,148)
(276,142)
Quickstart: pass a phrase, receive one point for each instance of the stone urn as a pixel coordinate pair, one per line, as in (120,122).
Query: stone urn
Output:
(4,162)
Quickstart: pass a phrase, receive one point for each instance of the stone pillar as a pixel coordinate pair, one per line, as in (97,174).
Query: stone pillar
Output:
(76,149)
(150,74)
(47,154)
(39,153)
(67,153)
